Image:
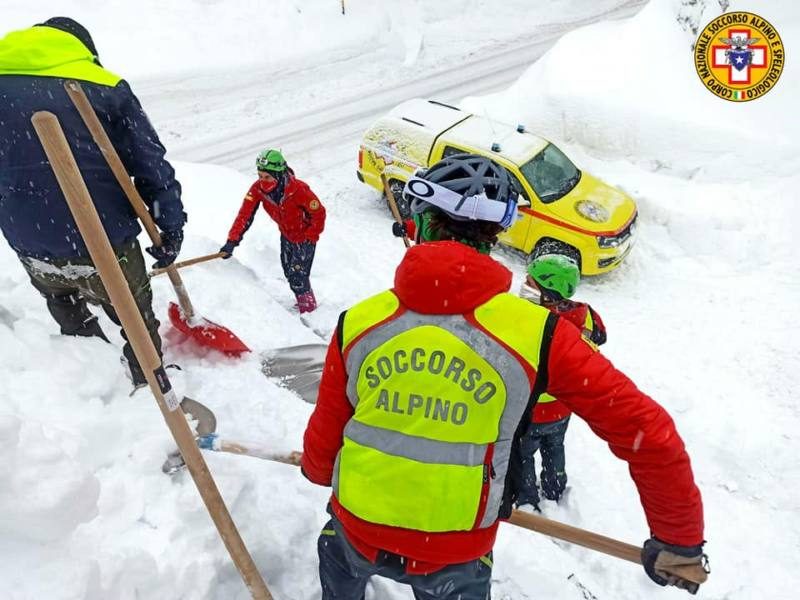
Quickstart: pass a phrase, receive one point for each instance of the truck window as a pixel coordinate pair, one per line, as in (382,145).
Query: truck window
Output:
(551,174)
(523,195)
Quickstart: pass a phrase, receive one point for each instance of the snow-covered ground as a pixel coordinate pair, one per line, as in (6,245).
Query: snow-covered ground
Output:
(702,316)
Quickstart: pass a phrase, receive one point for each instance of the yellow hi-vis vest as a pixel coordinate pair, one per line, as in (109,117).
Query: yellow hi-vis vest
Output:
(436,403)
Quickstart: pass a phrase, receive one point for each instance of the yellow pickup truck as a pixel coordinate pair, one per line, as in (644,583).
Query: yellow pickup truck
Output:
(562,209)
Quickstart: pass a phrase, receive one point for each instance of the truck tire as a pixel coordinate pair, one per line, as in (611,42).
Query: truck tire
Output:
(551,246)
(403,206)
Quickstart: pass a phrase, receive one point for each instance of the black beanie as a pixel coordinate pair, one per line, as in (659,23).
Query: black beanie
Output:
(71,26)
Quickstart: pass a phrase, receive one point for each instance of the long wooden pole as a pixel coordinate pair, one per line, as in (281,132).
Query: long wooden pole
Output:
(393,207)
(595,541)
(83,210)
(539,524)
(81,102)
(186,263)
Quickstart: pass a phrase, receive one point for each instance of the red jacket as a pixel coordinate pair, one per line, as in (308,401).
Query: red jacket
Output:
(299,213)
(576,313)
(451,278)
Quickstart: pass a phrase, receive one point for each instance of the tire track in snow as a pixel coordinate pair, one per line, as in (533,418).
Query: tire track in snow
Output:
(338,124)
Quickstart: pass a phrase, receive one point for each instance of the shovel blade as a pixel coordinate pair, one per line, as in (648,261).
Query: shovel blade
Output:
(298,367)
(207,333)
(205,420)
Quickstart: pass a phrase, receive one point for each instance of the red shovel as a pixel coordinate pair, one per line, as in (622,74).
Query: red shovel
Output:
(204,332)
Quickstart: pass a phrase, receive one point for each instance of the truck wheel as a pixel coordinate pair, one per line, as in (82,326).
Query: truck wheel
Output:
(403,206)
(551,246)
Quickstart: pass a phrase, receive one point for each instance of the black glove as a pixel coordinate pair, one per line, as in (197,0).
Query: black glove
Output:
(167,252)
(658,560)
(227,249)
(399,229)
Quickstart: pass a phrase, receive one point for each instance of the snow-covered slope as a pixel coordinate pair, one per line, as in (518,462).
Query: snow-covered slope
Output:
(149,40)
(702,316)
(628,89)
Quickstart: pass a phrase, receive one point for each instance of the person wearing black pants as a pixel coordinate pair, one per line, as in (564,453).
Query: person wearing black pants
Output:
(35,220)
(344,572)
(68,284)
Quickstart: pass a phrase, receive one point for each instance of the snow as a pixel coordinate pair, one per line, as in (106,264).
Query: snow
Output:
(702,315)
(628,89)
(148,39)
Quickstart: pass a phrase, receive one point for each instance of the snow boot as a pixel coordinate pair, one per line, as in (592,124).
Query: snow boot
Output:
(136,375)
(306,302)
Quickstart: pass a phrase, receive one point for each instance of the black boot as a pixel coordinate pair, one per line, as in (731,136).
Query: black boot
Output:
(73,316)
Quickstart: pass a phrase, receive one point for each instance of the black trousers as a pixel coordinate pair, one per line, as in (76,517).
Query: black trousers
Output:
(296,260)
(344,573)
(67,284)
(547,438)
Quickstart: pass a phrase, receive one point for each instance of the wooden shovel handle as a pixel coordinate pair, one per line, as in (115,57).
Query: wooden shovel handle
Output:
(186,263)
(247,449)
(554,529)
(594,541)
(393,207)
(89,116)
(86,110)
(83,210)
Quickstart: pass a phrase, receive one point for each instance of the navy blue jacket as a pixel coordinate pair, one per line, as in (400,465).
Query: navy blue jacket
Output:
(34,216)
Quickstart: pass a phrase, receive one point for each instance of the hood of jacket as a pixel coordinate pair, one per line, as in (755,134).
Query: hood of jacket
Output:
(448,278)
(49,52)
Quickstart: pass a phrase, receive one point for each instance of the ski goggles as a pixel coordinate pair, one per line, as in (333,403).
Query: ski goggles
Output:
(478,207)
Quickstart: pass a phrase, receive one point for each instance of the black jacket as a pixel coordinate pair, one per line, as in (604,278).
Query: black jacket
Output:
(34,217)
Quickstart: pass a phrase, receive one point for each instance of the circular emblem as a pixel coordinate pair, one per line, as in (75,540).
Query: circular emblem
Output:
(739,56)
(314,204)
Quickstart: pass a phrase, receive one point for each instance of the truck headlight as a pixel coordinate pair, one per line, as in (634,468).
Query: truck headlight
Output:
(609,242)
(592,211)
(613,241)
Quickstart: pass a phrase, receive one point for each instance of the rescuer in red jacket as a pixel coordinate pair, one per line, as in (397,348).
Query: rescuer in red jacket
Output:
(300,217)
(427,390)
(552,280)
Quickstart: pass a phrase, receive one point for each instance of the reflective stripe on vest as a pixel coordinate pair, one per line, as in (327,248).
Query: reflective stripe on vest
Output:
(434,396)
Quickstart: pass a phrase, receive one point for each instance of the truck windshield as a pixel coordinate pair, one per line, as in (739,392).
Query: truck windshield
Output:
(551,174)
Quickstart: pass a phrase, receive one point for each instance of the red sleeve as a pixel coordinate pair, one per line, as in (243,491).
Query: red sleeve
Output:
(316,215)
(246,214)
(323,437)
(637,429)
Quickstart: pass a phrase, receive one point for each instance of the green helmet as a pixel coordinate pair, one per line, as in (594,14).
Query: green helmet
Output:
(555,273)
(271,160)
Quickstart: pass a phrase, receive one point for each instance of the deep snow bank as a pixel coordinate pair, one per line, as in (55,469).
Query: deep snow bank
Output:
(628,89)
(152,39)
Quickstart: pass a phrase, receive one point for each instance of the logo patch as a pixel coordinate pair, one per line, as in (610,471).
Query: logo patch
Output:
(739,56)
(313,205)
